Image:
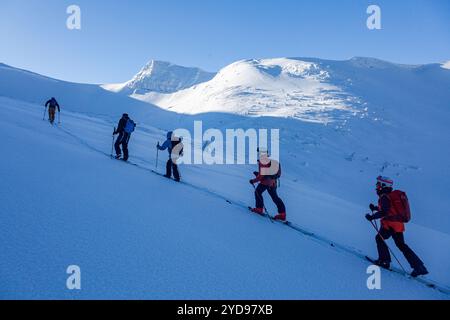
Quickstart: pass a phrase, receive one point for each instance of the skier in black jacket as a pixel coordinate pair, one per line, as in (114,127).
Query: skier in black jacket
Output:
(124,129)
(52,104)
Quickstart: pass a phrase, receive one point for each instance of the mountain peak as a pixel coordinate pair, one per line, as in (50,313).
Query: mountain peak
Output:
(165,77)
(446,65)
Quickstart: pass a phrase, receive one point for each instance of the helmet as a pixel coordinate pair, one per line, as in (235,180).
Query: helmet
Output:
(125,115)
(384,182)
(263,151)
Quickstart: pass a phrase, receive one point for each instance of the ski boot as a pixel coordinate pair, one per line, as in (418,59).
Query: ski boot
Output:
(382,264)
(280,217)
(259,211)
(419,271)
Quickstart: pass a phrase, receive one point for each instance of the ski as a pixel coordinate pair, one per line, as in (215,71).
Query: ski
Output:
(373,261)
(426,282)
(162,175)
(272,219)
(264,215)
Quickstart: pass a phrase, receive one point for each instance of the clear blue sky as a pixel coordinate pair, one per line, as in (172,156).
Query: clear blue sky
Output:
(118,37)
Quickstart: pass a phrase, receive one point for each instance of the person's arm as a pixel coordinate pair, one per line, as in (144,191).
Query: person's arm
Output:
(385,206)
(57,105)
(259,177)
(121,126)
(164,146)
(47,103)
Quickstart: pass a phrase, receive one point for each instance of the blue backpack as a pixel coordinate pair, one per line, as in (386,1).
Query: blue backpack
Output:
(130,126)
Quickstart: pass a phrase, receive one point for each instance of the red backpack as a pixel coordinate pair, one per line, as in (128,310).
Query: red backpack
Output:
(400,205)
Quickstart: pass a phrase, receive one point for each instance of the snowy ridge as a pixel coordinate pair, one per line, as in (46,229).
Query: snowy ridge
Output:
(162,77)
(268,87)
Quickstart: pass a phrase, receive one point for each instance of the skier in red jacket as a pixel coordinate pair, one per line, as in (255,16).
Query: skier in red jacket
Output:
(393,212)
(267,176)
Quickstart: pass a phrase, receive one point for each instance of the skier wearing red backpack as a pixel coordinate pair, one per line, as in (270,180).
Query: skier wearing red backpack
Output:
(394,211)
(269,171)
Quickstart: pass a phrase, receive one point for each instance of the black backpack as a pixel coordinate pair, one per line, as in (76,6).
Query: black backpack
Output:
(175,143)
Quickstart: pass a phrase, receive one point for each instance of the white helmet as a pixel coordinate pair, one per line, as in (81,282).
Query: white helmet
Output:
(384,182)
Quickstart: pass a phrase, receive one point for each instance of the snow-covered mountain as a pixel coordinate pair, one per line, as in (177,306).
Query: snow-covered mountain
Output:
(162,77)
(273,87)
(307,89)
(446,65)
(347,122)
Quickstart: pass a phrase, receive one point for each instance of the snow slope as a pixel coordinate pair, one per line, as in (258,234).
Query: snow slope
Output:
(89,99)
(136,235)
(162,77)
(399,128)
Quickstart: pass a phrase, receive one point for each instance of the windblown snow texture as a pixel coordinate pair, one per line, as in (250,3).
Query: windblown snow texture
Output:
(136,235)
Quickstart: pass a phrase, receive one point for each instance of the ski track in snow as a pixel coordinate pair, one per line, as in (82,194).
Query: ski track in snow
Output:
(252,221)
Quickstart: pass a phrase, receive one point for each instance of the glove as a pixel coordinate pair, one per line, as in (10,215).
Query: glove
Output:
(252,182)
(370,217)
(256,173)
(158,146)
(373,208)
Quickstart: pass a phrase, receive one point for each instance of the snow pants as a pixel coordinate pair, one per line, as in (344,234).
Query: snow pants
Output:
(273,194)
(51,114)
(122,141)
(171,166)
(383,250)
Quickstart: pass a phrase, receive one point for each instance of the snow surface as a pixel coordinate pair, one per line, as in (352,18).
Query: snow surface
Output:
(135,235)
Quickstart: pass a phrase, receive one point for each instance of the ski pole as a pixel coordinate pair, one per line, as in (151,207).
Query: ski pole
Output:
(392,253)
(112,144)
(45,112)
(157,157)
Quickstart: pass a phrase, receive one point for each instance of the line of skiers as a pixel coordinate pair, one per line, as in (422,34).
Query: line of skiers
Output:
(393,206)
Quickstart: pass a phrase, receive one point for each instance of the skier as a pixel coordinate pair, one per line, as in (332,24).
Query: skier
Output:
(393,210)
(175,147)
(124,130)
(52,104)
(267,176)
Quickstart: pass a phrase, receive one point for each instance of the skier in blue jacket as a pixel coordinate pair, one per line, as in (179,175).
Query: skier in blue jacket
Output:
(174,146)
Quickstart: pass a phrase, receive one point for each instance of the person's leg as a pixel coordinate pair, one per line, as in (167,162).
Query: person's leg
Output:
(117,145)
(383,250)
(51,114)
(169,168)
(413,260)
(259,197)
(176,173)
(277,200)
(125,140)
